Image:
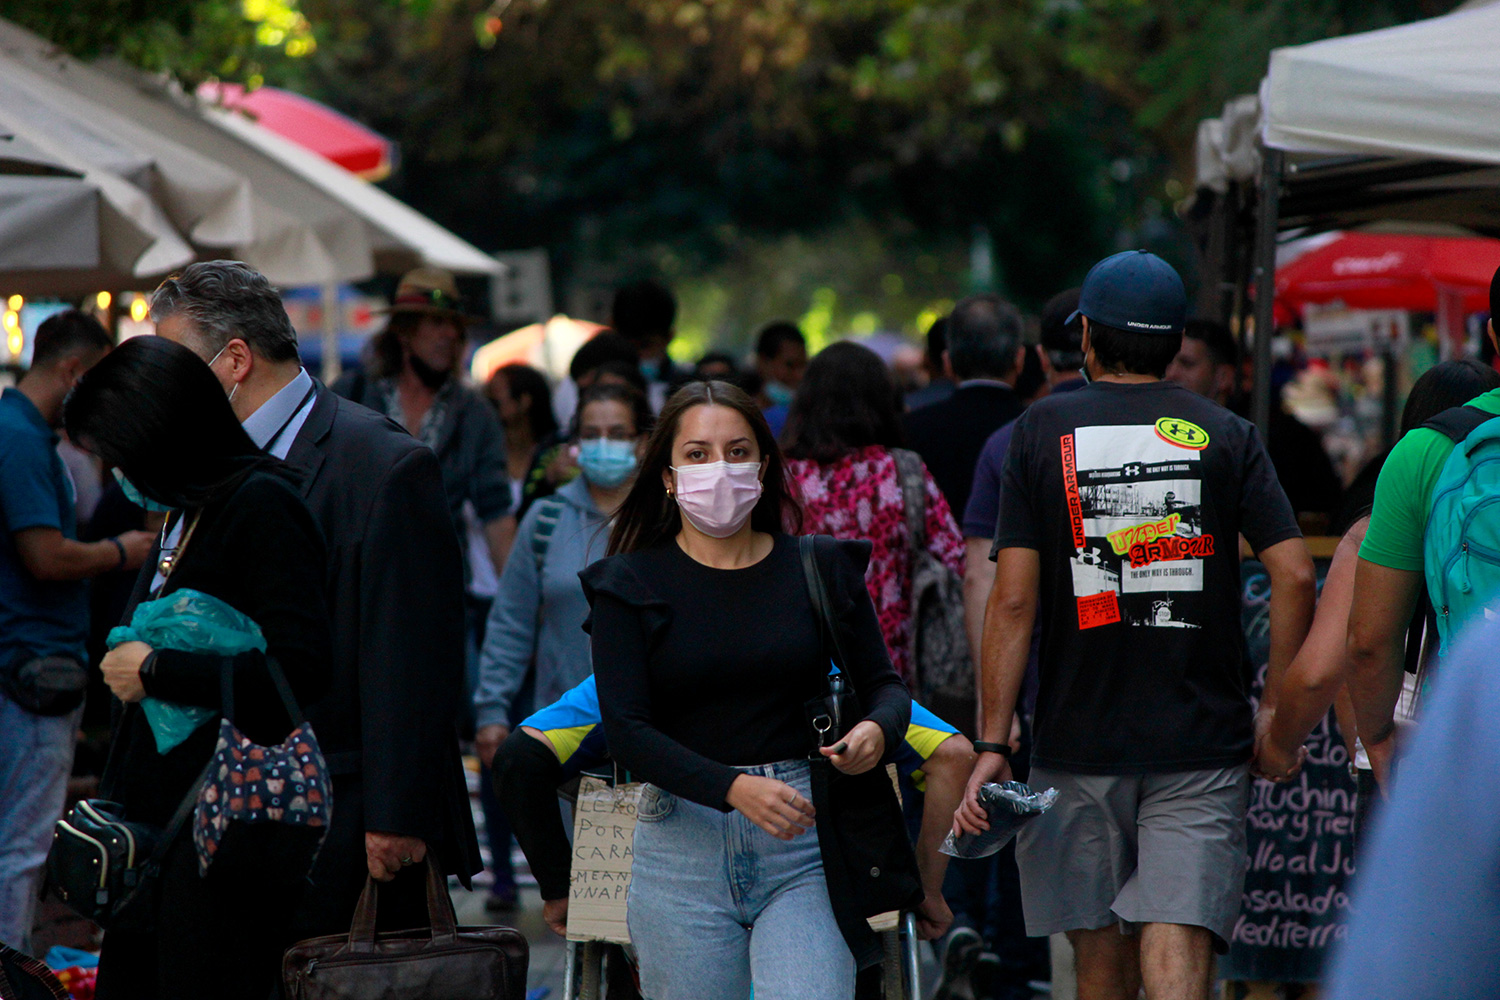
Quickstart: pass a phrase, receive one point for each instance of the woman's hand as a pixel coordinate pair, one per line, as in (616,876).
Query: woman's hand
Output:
(863,746)
(774,806)
(1274,763)
(122,670)
(933,917)
(487,742)
(555,915)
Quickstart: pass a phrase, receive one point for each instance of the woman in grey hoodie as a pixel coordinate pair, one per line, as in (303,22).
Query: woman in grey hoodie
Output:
(538,614)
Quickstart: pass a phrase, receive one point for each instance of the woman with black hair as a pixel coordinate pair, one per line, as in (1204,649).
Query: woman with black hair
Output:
(707,650)
(1317,676)
(523,400)
(154,412)
(842,444)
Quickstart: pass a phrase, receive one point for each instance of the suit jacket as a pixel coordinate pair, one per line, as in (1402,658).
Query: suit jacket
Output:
(950,435)
(396,599)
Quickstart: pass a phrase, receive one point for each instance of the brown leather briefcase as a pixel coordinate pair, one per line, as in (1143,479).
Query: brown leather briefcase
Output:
(446,962)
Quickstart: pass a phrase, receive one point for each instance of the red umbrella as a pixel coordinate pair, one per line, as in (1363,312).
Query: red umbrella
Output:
(1385,271)
(308,123)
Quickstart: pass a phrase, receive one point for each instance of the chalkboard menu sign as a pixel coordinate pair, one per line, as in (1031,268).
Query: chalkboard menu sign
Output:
(1301,840)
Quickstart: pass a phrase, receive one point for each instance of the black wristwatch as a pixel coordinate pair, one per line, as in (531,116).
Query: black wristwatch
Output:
(1003,749)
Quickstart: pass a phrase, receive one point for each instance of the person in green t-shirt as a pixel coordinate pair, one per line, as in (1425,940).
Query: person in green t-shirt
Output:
(1317,675)
(1388,578)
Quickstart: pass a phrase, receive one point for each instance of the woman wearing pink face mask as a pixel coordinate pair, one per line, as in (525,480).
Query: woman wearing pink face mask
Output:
(707,650)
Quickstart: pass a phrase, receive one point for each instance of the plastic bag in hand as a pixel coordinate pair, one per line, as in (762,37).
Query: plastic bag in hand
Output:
(1009,805)
(192,622)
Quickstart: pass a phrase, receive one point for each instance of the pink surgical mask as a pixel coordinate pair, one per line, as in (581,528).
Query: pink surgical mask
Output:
(717,497)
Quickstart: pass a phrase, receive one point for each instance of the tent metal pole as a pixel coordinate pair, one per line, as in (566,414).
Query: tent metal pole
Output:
(1267,215)
(332,314)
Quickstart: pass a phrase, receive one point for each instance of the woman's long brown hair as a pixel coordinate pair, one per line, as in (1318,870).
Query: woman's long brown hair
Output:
(649,517)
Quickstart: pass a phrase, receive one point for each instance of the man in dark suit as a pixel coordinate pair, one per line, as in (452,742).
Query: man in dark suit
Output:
(984,353)
(396,592)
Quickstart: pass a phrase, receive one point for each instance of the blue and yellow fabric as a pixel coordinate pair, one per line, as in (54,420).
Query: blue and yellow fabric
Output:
(571,725)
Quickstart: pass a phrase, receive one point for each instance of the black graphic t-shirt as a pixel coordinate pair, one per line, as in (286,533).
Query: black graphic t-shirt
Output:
(1135,496)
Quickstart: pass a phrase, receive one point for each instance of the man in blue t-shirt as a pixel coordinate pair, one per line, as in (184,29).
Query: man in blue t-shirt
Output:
(43,609)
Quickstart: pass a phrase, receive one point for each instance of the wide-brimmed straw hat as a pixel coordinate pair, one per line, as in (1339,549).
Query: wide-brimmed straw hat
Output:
(430,291)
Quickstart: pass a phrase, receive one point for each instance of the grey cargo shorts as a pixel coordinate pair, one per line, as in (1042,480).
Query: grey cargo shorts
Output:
(1136,849)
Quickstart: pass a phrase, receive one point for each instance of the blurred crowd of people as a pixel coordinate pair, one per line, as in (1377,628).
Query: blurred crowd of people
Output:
(1034,572)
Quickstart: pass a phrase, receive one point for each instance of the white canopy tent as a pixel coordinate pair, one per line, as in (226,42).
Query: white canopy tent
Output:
(1399,125)
(229,186)
(1428,89)
(75,235)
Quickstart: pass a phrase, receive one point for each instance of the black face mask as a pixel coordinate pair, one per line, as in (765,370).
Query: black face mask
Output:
(432,378)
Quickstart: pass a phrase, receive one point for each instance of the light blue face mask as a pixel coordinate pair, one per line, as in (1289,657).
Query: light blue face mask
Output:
(135,496)
(779,393)
(606,463)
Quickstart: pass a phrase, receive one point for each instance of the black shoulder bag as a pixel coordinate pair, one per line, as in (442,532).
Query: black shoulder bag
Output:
(867,855)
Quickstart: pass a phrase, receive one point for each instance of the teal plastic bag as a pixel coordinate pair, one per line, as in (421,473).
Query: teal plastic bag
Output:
(193,622)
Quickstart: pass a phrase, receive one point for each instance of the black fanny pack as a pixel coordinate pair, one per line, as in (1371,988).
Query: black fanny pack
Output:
(45,685)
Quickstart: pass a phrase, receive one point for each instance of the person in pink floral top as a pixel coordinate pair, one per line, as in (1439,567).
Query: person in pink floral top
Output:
(843,424)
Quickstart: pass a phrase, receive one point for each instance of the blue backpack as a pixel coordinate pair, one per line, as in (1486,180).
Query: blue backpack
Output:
(1461,549)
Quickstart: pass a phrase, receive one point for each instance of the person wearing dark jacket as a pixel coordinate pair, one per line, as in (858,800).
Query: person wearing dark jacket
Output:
(984,354)
(395,585)
(414,378)
(154,412)
(707,650)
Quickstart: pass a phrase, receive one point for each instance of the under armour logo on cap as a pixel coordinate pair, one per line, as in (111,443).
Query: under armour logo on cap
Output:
(1134,290)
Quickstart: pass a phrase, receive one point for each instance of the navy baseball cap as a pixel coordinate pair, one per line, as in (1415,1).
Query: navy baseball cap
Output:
(1136,291)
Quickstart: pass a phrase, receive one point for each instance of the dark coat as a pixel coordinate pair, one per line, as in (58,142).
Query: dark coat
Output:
(259,552)
(396,596)
(950,435)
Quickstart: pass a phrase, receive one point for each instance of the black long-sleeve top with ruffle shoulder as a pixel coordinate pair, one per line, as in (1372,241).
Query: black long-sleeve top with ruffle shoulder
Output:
(701,670)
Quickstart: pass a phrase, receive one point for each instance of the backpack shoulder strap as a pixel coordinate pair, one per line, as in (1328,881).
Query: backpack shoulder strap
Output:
(913,495)
(548,512)
(1458,422)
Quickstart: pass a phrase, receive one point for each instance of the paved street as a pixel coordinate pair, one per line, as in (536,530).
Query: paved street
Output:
(547,949)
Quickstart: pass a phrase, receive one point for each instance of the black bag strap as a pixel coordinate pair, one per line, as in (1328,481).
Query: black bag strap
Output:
(226,690)
(808,546)
(152,867)
(1457,422)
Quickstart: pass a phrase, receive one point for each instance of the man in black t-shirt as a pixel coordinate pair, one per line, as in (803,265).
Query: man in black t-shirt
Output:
(1120,517)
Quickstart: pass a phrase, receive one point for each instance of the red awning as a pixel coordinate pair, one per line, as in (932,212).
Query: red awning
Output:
(308,123)
(1383,271)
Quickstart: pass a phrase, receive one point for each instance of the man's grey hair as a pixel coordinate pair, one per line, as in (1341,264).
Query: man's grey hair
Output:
(225,299)
(983,334)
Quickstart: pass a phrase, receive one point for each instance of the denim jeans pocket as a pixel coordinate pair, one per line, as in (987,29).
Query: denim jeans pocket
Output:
(655,804)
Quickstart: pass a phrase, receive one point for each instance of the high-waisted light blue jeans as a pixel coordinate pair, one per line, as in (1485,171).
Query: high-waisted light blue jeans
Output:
(717,904)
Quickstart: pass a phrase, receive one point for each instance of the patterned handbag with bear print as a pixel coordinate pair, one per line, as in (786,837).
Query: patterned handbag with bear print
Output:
(248,783)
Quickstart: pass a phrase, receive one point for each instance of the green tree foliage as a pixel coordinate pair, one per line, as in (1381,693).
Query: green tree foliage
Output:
(693,137)
(193,39)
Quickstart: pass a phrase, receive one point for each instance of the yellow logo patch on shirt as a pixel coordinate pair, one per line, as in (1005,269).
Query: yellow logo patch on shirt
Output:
(1182,433)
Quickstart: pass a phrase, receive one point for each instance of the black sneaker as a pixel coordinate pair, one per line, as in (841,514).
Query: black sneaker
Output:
(960,951)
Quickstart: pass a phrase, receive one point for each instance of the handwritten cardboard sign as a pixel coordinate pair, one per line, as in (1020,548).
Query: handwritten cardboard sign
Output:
(603,849)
